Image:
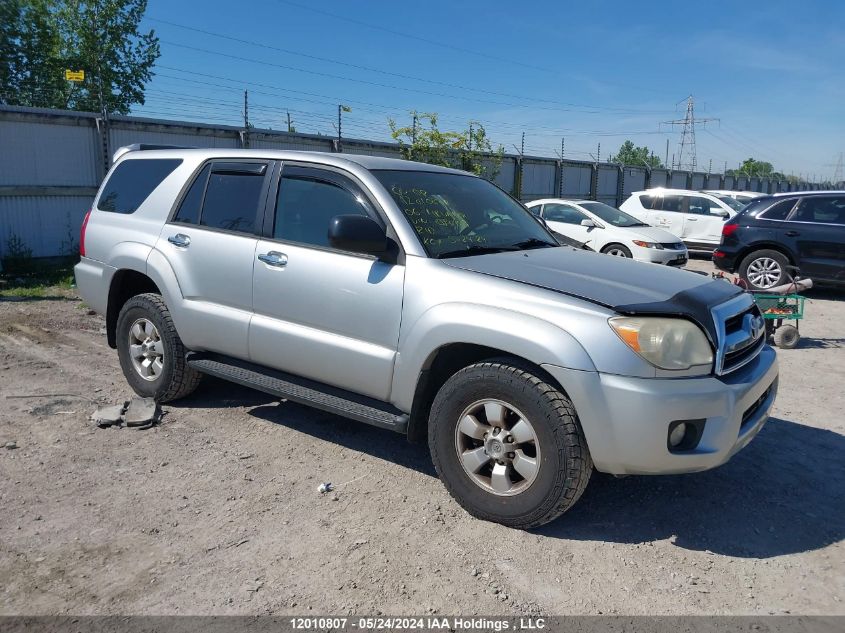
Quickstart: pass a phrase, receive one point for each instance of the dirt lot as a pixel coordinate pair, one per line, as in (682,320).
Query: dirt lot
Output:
(217,511)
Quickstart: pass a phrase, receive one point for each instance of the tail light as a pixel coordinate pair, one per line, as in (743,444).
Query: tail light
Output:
(729,229)
(82,234)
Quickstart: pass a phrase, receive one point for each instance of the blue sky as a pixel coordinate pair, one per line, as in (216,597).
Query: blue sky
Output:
(773,73)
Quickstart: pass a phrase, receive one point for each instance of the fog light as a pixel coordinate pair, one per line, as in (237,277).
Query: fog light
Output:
(676,435)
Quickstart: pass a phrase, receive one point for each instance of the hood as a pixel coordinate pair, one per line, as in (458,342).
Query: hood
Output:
(623,285)
(653,234)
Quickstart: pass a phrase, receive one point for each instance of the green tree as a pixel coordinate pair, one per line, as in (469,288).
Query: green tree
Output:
(101,37)
(470,150)
(628,154)
(754,169)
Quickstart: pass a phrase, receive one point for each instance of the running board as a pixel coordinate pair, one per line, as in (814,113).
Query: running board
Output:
(301,390)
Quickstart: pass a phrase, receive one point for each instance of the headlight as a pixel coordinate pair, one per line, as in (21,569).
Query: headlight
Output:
(664,342)
(656,245)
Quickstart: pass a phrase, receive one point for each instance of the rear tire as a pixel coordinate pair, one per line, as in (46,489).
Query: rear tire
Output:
(787,337)
(617,250)
(550,465)
(151,353)
(764,269)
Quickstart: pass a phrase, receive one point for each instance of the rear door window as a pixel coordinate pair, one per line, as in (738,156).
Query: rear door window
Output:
(233,195)
(668,203)
(820,210)
(133,181)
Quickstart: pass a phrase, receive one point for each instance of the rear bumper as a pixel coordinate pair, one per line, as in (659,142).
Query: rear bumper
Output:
(93,280)
(626,420)
(724,260)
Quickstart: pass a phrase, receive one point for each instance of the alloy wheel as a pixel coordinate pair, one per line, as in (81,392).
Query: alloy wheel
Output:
(497,447)
(146,349)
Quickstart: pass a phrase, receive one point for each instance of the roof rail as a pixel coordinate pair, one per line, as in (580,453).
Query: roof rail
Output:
(141,147)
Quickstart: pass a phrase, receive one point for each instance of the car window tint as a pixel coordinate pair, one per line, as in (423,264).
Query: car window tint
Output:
(536,210)
(668,203)
(699,205)
(305,207)
(821,210)
(189,210)
(562,213)
(647,201)
(231,200)
(133,181)
(778,211)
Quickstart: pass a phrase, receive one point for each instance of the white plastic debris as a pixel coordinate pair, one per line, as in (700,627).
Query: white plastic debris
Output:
(325,487)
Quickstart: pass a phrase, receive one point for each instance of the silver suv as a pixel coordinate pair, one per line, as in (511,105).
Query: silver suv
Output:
(426,301)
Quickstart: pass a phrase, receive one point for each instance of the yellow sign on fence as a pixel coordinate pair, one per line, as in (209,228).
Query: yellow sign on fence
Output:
(74,75)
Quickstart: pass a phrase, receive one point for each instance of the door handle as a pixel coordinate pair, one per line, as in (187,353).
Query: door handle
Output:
(792,233)
(274,258)
(180,239)
(692,219)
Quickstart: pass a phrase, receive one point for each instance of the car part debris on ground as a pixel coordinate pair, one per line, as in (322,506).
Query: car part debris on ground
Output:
(325,487)
(139,413)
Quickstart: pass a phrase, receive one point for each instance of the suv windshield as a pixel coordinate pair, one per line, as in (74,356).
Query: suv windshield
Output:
(611,215)
(456,215)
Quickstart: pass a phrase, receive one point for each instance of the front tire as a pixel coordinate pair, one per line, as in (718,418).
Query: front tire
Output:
(617,250)
(507,445)
(151,353)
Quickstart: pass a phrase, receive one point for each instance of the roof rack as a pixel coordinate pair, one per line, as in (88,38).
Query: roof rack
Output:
(142,147)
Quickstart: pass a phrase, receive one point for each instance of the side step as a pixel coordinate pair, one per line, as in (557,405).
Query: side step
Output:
(301,390)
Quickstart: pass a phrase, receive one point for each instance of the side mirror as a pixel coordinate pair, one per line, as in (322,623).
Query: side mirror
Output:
(588,223)
(357,234)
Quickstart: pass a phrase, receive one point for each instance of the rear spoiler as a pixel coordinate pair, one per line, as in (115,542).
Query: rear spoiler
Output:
(141,147)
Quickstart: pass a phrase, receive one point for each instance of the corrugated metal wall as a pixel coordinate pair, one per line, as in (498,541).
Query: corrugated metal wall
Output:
(51,162)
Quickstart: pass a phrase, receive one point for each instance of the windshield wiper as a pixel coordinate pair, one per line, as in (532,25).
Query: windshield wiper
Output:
(534,243)
(475,250)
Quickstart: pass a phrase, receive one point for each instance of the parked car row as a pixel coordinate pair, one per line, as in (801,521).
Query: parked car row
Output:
(755,235)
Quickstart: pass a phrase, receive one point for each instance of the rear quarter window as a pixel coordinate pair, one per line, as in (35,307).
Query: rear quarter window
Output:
(133,181)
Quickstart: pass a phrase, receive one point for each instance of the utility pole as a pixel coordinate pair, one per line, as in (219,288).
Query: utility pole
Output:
(666,160)
(104,110)
(414,129)
(710,167)
(469,140)
(687,154)
(288,113)
(245,141)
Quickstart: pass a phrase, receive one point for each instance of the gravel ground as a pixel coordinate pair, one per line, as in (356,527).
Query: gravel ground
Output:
(216,511)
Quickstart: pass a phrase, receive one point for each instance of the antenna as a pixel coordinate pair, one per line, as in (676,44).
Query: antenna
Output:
(686,147)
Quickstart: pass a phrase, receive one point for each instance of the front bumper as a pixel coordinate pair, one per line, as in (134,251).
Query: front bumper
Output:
(667,257)
(626,420)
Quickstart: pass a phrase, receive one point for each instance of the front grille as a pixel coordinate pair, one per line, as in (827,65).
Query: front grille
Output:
(672,246)
(742,333)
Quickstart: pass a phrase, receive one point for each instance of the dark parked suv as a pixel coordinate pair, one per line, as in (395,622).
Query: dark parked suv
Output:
(803,229)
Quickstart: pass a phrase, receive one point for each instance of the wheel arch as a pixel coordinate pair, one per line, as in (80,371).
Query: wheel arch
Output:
(125,284)
(447,360)
(761,246)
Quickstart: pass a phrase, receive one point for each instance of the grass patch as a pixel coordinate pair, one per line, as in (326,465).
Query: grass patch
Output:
(38,279)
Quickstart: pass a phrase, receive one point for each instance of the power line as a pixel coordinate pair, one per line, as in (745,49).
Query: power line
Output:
(589,108)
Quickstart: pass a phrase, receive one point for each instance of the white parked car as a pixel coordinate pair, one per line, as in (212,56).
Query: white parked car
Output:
(609,230)
(695,217)
(740,197)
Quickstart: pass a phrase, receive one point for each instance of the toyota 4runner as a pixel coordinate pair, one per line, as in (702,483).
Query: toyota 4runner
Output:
(426,301)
